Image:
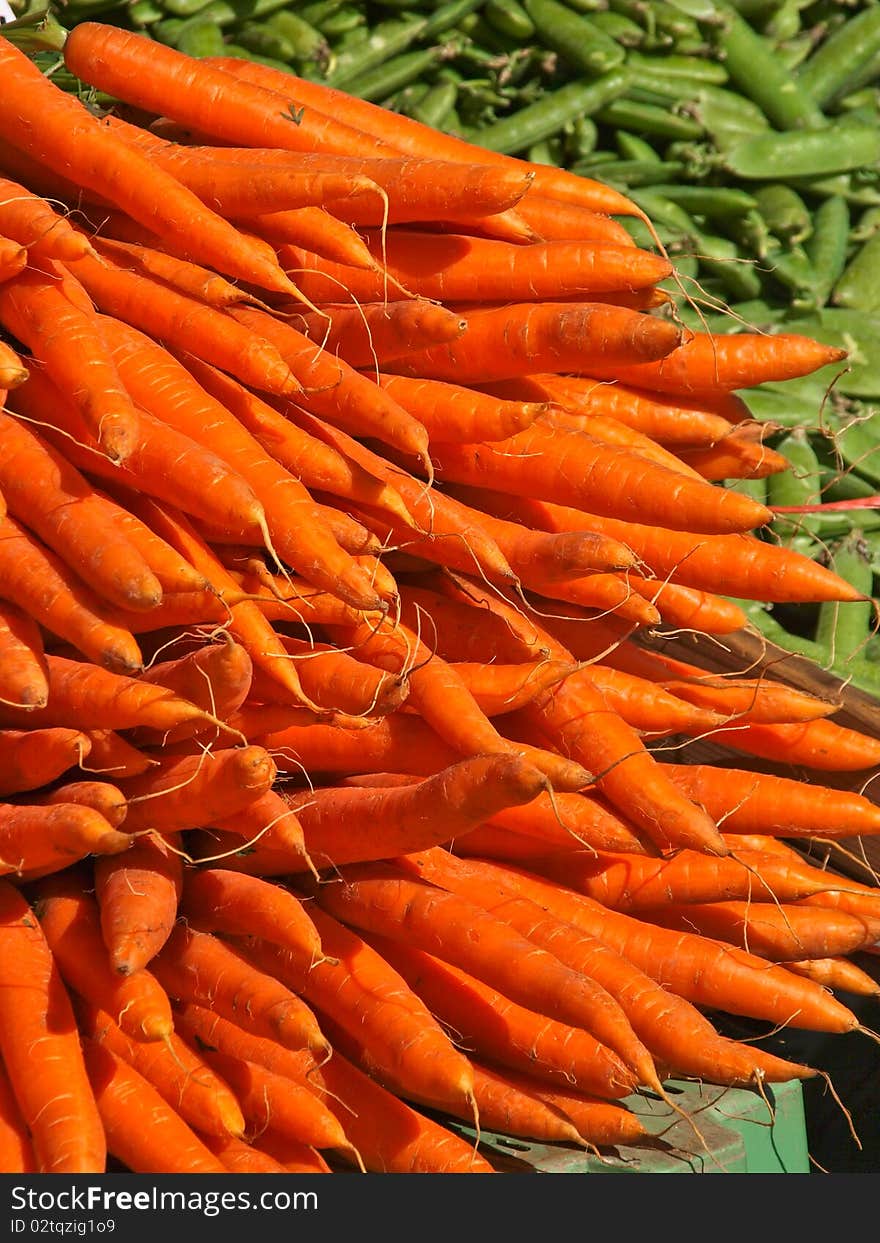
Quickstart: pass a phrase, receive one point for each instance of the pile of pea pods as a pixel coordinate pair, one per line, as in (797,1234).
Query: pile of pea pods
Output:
(747,130)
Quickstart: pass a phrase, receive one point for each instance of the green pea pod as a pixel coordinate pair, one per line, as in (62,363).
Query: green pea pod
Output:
(340,21)
(436,105)
(736,273)
(579,139)
(840,56)
(785,212)
(866,226)
(653,119)
(716,202)
(200,36)
(640,172)
(858,286)
(183,8)
(621,29)
(378,84)
(305,40)
(634,147)
(318,11)
(827,246)
(692,68)
(844,628)
(545,117)
(728,123)
(509,18)
(144,13)
(774,632)
(386,39)
(575,38)
(244,53)
(837,148)
(801,485)
(759,74)
(260,37)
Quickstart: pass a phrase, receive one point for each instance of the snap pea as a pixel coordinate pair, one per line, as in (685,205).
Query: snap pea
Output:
(580,137)
(832,66)
(243,53)
(810,153)
(708,200)
(581,97)
(340,21)
(785,212)
(259,37)
(319,11)
(386,39)
(727,124)
(574,37)
(760,75)
(866,226)
(380,83)
(201,36)
(645,118)
(827,246)
(144,13)
(436,104)
(858,285)
(183,8)
(305,40)
(509,18)
(774,632)
(693,68)
(801,485)
(621,29)
(844,628)
(634,147)
(640,172)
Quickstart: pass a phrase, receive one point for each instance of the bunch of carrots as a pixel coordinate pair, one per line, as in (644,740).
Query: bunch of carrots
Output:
(347,473)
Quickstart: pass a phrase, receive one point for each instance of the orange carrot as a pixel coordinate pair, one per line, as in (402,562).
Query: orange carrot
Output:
(33,757)
(13,372)
(142,1129)
(215,677)
(238,905)
(704,971)
(373,331)
(40,584)
(176,1071)
(181,274)
(34,222)
(337,681)
(388,900)
(101,796)
(38,314)
(821,744)
(841,975)
(347,825)
(391,1137)
(57,1105)
(74,143)
(16,1150)
(112,755)
(501,1032)
(203,484)
(186,791)
(36,838)
(401,1043)
(646,706)
(450,411)
(316,230)
(70,920)
(239,1157)
(711,364)
(138,898)
(503,688)
(198,967)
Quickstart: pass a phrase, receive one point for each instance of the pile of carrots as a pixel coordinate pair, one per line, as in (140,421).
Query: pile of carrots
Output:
(347,471)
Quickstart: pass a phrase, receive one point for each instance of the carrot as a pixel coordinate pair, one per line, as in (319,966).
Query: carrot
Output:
(269,821)
(182,1078)
(445,703)
(295,529)
(293,1156)
(597,1121)
(735,457)
(173,316)
(739,564)
(57,1105)
(776,932)
(702,970)
(38,582)
(503,633)
(416,139)
(32,221)
(181,274)
(391,1137)
(33,757)
(646,706)
(200,968)
(59,335)
(316,230)
(74,143)
(338,682)
(70,920)
(573,468)
(239,1157)
(374,331)
(138,897)
(314,463)
(821,744)
(347,825)
(216,677)
(16,1150)
(237,905)
(13,258)
(672,423)
(576,719)
(388,900)
(142,1129)
(707,364)
(449,411)
(503,688)
(762,700)
(334,390)
(112,755)
(400,1042)
(183,792)
(34,837)
(503,1033)
(462,269)
(13,371)
(756,802)
(841,975)
(203,484)
(23,682)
